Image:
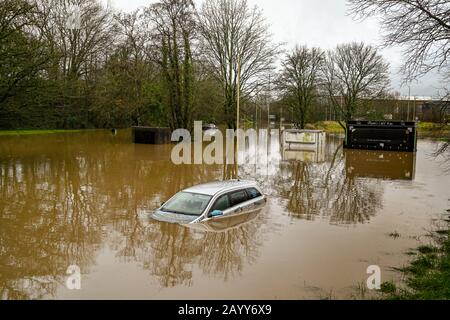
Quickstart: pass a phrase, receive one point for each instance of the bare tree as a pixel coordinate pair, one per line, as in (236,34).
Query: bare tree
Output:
(82,45)
(236,40)
(300,79)
(353,73)
(22,57)
(444,148)
(174,25)
(422,27)
(13,16)
(137,68)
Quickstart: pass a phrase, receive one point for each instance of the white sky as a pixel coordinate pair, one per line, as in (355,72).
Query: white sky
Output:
(321,23)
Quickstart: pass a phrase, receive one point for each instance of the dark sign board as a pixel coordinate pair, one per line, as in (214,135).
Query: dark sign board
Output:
(382,135)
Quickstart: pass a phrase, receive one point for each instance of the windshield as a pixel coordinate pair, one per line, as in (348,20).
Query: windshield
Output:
(191,204)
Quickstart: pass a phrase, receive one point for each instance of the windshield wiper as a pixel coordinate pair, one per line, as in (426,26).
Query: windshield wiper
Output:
(181,213)
(170,211)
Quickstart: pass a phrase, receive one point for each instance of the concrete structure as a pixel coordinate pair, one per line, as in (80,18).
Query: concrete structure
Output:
(147,135)
(303,145)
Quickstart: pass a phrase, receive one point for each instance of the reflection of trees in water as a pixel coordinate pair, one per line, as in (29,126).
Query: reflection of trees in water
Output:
(63,196)
(47,222)
(59,194)
(230,171)
(61,200)
(324,190)
(226,253)
(170,252)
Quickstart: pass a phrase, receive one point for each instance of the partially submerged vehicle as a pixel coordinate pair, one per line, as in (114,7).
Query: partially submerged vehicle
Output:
(212,201)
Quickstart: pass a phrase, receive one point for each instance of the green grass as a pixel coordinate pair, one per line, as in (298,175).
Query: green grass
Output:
(35,132)
(428,275)
(428,126)
(328,126)
(433,130)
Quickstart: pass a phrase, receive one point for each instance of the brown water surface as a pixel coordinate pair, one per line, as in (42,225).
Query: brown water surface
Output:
(84,199)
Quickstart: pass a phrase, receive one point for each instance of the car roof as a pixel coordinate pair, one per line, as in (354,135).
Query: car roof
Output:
(213,188)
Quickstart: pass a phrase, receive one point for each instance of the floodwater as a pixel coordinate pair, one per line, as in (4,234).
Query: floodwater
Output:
(83,199)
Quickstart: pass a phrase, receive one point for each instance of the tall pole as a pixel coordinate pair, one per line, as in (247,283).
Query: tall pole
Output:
(409,100)
(238,114)
(268,107)
(281,118)
(256,115)
(238,92)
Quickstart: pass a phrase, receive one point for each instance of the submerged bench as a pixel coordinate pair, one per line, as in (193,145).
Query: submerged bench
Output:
(296,139)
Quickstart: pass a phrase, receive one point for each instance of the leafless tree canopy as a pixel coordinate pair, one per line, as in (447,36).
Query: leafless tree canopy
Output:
(422,27)
(174,29)
(235,34)
(300,79)
(78,48)
(21,57)
(352,72)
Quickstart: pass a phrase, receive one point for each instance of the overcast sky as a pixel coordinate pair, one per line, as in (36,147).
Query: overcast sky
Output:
(321,23)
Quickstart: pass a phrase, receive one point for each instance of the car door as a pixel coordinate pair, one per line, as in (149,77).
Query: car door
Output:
(238,202)
(256,200)
(253,201)
(230,204)
(221,204)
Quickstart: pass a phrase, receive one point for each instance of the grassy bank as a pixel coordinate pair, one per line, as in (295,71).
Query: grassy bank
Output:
(35,132)
(427,129)
(328,126)
(428,275)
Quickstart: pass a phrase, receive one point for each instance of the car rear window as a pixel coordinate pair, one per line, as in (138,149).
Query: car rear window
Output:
(254,193)
(238,197)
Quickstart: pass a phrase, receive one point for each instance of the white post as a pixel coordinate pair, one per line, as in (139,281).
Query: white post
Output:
(238,115)
(238,92)
(268,107)
(409,101)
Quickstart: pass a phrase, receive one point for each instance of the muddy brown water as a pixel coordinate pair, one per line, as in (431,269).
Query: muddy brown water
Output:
(83,199)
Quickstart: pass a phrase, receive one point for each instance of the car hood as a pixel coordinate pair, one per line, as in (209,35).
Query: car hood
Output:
(172,217)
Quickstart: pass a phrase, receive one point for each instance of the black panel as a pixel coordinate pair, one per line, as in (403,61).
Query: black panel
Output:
(381,135)
(145,135)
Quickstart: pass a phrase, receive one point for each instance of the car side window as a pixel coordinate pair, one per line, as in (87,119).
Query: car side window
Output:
(238,197)
(222,204)
(253,193)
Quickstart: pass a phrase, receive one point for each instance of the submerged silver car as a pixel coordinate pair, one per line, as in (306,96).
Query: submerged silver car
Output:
(211,201)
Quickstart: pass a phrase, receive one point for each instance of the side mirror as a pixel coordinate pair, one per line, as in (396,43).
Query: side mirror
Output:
(216,213)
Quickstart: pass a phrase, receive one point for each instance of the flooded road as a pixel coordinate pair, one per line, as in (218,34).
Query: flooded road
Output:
(83,199)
